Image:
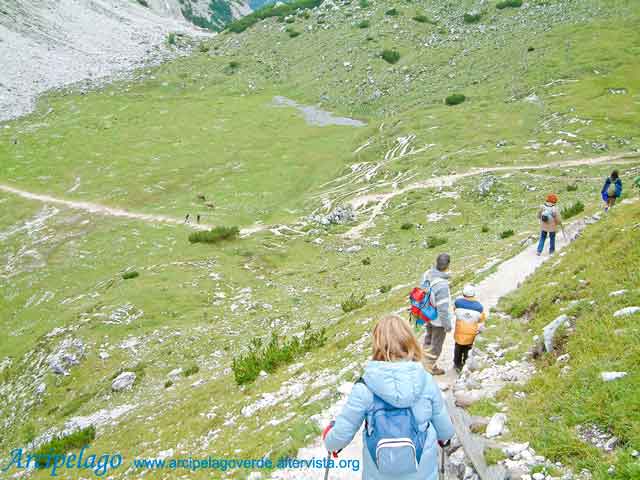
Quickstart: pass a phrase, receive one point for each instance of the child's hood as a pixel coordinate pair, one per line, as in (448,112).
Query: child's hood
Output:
(397,383)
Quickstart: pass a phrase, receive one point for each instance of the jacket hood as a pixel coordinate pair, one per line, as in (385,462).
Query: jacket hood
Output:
(397,383)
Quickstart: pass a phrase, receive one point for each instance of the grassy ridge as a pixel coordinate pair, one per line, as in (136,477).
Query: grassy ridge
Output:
(605,259)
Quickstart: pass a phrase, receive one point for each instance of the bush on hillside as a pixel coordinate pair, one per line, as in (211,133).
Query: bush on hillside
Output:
(292,32)
(433,241)
(190,370)
(247,367)
(406,226)
(455,99)
(280,10)
(62,445)
(203,48)
(472,17)
(364,24)
(509,4)
(384,288)
(130,275)
(484,229)
(420,18)
(572,188)
(366,261)
(363,3)
(506,234)
(216,235)
(393,12)
(353,302)
(171,38)
(390,56)
(572,210)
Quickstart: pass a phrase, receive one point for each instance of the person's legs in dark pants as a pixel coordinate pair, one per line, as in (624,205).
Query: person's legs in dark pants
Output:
(457,357)
(427,336)
(465,354)
(433,351)
(543,238)
(552,242)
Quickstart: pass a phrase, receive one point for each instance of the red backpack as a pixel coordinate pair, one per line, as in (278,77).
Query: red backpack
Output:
(422,308)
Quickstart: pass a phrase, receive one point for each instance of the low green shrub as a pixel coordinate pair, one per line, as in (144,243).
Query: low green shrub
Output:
(234,65)
(572,188)
(62,445)
(384,288)
(280,10)
(363,3)
(292,33)
(406,226)
(509,4)
(268,357)
(190,370)
(366,261)
(433,241)
(471,17)
(484,229)
(572,210)
(130,275)
(506,234)
(455,99)
(390,56)
(393,12)
(216,235)
(364,24)
(420,18)
(353,302)
(144,3)
(171,38)
(168,383)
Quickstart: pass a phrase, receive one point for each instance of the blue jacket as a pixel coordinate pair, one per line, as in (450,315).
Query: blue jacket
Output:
(402,384)
(605,188)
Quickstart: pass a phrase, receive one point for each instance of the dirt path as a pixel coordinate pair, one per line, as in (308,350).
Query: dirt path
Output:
(118,212)
(508,276)
(380,200)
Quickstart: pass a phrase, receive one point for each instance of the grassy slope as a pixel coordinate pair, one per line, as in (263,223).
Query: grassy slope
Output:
(603,260)
(194,126)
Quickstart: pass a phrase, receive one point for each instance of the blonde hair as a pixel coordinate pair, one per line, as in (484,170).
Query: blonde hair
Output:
(394,340)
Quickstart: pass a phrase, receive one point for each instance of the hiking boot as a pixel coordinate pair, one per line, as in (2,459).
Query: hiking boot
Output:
(435,370)
(538,253)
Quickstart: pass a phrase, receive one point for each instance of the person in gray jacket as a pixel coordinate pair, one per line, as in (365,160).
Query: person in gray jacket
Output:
(437,279)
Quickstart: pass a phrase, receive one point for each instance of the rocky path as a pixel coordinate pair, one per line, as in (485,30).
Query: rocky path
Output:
(380,200)
(508,276)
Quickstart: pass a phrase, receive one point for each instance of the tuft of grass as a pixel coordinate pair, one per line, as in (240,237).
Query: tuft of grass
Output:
(506,234)
(168,383)
(130,275)
(406,226)
(280,10)
(366,261)
(62,445)
(353,302)
(484,229)
(190,370)
(268,357)
(483,408)
(364,24)
(292,32)
(471,17)
(384,288)
(144,3)
(234,65)
(216,235)
(421,18)
(493,455)
(455,99)
(572,210)
(392,12)
(203,47)
(572,187)
(433,241)
(171,38)
(363,3)
(509,4)
(390,56)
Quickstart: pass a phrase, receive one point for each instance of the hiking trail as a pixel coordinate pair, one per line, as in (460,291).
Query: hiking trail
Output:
(507,277)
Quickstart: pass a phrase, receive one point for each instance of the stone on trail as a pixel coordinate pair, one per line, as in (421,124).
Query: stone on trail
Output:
(124,381)
(514,449)
(617,293)
(549,331)
(496,425)
(609,376)
(623,312)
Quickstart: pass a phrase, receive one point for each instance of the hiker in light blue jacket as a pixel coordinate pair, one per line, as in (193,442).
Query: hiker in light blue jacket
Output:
(396,376)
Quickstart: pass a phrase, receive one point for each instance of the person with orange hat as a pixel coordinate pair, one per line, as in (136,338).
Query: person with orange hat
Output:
(550,220)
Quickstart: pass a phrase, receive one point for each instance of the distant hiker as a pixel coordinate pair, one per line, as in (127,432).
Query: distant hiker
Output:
(436,281)
(401,406)
(186,218)
(470,318)
(550,220)
(198,218)
(611,190)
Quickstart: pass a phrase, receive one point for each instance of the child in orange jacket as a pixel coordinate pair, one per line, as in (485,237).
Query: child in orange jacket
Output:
(470,318)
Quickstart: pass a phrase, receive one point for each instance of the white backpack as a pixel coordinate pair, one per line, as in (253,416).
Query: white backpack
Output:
(548,213)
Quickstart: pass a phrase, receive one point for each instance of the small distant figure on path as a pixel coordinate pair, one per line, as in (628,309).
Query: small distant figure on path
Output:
(401,406)
(550,220)
(198,219)
(437,281)
(470,318)
(186,218)
(611,190)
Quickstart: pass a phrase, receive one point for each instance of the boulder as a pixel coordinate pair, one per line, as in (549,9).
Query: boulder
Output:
(496,425)
(609,376)
(124,381)
(550,330)
(624,312)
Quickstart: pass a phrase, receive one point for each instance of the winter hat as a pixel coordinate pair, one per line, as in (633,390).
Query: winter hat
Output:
(552,198)
(469,290)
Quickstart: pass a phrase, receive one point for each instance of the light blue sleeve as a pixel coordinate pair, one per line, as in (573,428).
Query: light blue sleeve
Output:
(349,421)
(440,416)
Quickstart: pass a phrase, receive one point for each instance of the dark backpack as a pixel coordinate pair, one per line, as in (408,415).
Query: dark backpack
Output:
(393,437)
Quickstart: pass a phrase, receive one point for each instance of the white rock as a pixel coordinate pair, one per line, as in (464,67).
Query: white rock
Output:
(549,331)
(538,476)
(609,376)
(263,374)
(563,358)
(617,293)
(124,381)
(514,449)
(41,388)
(175,374)
(626,311)
(103,355)
(496,425)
